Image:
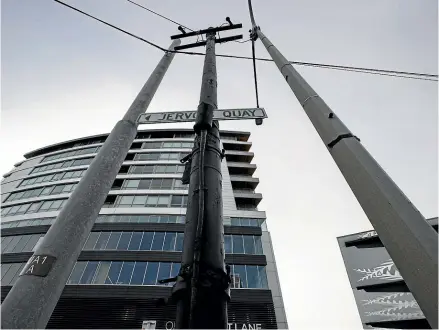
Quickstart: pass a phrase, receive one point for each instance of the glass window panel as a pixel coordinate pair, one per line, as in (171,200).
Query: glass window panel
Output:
(151,273)
(102,272)
(126,272)
(169,244)
(102,241)
(235,222)
(238,244)
(5,268)
(47,191)
(126,200)
(57,204)
(147,241)
(180,168)
(76,274)
(157,243)
(258,245)
(156,184)
(23,208)
(145,184)
(124,241)
(6,242)
(135,241)
(152,200)
(135,218)
(253,277)
(89,272)
(164,156)
(46,221)
(174,156)
(31,243)
(10,274)
(148,169)
(167,144)
(228,243)
(113,241)
(131,184)
(164,271)
(172,219)
(22,243)
(249,244)
(163,219)
(138,273)
(179,242)
(176,201)
(181,219)
(14,209)
(46,205)
(91,241)
(262,277)
(175,269)
(23,223)
(113,273)
(12,244)
(34,207)
(68,175)
(139,200)
(240,271)
(171,169)
(136,169)
(143,218)
(245,222)
(57,190)
(154,218)
(167,184)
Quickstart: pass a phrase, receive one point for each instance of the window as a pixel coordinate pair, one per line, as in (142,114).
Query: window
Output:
(139,201)
(238,244)
(163,201)
(138,273)
(258,245)
(113,241)
(102,272)
(10,276)
(124,241)
(91,241)
(151,273)
(249,244)
(228,243)
(136,239)
(102,241)
(179,242)
(146,241)
(240,271)
(131,184)
(21,243)
(126,272)
(169,243)
(157,244)
(113,273)
(164,271)
(76,274)
(89,272)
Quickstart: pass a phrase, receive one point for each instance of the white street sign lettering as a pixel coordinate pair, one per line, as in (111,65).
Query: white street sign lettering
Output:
(184,116)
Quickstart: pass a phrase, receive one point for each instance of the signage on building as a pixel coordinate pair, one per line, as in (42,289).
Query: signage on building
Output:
(185,116)
(170,325)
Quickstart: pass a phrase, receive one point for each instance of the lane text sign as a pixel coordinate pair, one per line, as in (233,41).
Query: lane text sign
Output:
(185,116)
(38,265)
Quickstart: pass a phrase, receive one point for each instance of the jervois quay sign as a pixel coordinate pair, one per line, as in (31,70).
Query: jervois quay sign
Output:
(185,116)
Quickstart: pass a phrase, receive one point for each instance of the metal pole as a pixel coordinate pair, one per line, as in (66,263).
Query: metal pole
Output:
(411,242)
(201,290)
(31,301)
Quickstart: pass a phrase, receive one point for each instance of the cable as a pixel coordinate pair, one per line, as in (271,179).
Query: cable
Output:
(392,73)
(166,18)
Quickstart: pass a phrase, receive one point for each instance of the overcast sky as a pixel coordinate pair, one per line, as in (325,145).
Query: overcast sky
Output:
(66,76)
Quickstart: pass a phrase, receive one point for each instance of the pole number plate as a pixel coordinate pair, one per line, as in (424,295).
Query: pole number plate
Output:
(38,265)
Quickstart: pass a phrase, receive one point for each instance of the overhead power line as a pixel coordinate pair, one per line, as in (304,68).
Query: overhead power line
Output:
(392,73)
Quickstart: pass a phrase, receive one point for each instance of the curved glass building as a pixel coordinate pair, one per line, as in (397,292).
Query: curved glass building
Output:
(137,238)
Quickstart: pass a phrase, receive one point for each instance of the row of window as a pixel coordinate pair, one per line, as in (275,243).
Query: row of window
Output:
(153,218)
(160,156)
(21,243)
(27,223)
(246,222)
(149,273)
(87,142)
(10,273)
(71,153)
(43,206)
(150,201)
(53,177)
(243,244)
(64,164)
(167,144)
(135,241)
(42,191)
(150,169)
(154,184)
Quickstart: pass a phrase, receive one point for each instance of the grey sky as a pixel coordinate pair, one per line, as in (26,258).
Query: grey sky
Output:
(65,76)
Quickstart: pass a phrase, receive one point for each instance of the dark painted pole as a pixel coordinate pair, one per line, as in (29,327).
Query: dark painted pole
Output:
(31,301)
(410,240)
(201,290)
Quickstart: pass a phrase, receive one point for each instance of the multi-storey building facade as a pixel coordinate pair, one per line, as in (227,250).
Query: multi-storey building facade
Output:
(383,299)
(137,238)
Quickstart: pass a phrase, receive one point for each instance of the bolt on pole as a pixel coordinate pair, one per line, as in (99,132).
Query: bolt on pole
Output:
(201,290)
(31,301)
(410,241)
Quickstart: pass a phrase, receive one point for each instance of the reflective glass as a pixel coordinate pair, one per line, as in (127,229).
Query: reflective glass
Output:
(102,272)
(126,272)
(157,243)
(143,218)
(89,272)
(76,274)
(126,200)
(5,268)
(124,241)
(152,200)
(163,219)
(154,218)
(10,274)
(249,244)
(6,242)
(12,244)
(238,244)
(169,244)
(235,222)
(262,277)
(151,273)
(176,201)
(172,219)
(240,271)
(253,277)
(113,273)
(175,269)
(147,241)
(135,241)
(145,184)
(113,241)
(31,243)
(228,244)
(139,200)
(164,271)
(91,241)
(102,241)
(167,184)
(258,245)
(179,242)
(22,243)
(163,201)
(138,273)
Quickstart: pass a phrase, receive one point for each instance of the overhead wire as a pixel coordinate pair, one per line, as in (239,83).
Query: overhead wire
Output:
(382,72)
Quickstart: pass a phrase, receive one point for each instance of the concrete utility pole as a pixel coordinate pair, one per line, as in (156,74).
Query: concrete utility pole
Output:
(410,240)
(201,290)
(31,301)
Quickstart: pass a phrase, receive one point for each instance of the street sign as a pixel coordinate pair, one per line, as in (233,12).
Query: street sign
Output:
(184,116)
